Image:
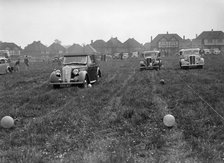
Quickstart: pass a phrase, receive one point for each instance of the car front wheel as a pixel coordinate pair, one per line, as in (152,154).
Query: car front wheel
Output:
(85,83)
(55,86)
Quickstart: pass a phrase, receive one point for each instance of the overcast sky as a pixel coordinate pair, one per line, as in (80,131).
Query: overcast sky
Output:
(80,21)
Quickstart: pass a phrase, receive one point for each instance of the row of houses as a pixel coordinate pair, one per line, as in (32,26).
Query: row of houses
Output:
(168,43)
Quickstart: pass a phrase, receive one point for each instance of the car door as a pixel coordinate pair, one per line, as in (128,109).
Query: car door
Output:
(92,68)
(3,66)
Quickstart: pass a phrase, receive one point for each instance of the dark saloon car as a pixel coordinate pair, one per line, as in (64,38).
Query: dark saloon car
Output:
(76,70)
(151,60)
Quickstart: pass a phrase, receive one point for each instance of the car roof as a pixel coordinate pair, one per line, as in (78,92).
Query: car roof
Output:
(189,49)
(75,55)
(153,51)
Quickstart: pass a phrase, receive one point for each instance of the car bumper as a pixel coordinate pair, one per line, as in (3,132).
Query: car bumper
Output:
(194,65)
(71,82)
(149,67)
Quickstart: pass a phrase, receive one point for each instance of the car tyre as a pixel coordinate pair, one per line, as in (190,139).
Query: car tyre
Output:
(85,83)
(201,67)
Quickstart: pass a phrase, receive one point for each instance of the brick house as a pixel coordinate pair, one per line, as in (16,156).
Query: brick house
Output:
(35,49)
(211,40)
(131,45)
(168,44)
(100,46)
(114,46)
(11,47)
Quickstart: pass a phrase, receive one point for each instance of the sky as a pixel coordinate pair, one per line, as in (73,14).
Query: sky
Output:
(80,21)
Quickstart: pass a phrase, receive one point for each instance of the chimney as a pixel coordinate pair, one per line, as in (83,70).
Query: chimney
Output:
(151,38)
(91,41)
(183,37)
(212,29)
(167,32)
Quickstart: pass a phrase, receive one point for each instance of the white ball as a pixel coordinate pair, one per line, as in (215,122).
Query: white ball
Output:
(7,122)
(169,120)
(89,85)
(162,81)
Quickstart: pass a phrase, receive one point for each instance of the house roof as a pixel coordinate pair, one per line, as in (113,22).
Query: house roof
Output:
(89,49)
(167,36)
(75,49)
(99,44)
(114,42)
(56,47)
(147,45)
(9,46)
(78,49)
(211,35)
(132,42)
(35,46)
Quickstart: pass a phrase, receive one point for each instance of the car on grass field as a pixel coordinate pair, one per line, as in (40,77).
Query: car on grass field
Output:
(4,65)
(191,58)
(79,70)
(207,51)
(151,60)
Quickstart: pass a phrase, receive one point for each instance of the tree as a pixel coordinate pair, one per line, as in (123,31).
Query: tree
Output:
(56,41)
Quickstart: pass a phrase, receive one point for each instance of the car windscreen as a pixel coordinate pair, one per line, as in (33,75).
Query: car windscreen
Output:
(75,60)
(191,52)
(150,54)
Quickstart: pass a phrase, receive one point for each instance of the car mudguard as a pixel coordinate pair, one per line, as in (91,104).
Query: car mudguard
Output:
(82,75)
(53,78)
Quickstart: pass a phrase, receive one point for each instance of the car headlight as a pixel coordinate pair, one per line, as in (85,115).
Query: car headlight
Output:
(141,62)
(75,71)
(58,73)
(182,60)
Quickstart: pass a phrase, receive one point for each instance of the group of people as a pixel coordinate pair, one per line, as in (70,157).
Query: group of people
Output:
(16,66)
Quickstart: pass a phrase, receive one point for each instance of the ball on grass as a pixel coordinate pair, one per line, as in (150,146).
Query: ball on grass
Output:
(89,85)
(162,81)
(169,120)
(7,122)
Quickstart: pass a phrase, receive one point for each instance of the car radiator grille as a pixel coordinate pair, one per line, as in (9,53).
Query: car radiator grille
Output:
(66,74)
(192,60)
(148,61)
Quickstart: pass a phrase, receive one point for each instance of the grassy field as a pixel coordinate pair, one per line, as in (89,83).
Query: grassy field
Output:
(119,119)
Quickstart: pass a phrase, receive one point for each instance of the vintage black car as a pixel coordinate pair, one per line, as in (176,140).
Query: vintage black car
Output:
(76,70)
(151,60)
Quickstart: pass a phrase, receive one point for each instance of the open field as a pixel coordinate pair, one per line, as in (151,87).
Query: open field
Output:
(119,119)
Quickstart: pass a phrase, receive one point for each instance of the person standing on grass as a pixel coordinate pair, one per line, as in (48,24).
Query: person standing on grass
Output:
(16,66)
(26,61)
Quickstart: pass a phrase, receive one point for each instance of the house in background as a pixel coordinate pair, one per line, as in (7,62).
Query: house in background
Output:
(75,49)
(131,45)
(78,49)
(114,46)
(56,49)
(37,51)
(147,46)
(88,49)
(185,43)
(211,40)
(14,50)
(168,44)
(100,46)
